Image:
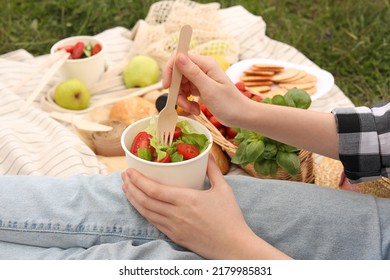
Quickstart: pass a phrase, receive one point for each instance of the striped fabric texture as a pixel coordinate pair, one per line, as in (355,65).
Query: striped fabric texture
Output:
(32,143)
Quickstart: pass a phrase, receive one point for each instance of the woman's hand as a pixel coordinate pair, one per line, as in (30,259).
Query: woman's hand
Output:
(203,77)
(208,222)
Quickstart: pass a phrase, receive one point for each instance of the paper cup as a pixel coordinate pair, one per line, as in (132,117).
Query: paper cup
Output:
(189,173)
(87,70)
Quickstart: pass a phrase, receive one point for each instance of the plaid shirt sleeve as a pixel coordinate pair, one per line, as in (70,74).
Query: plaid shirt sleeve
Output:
(364,141)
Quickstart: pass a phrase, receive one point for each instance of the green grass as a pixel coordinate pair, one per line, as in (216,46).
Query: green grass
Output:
(349,38)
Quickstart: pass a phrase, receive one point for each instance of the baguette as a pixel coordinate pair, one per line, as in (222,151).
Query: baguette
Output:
(220,158)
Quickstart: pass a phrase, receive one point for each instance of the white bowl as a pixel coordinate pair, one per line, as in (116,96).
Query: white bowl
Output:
(189,173)
(88,70)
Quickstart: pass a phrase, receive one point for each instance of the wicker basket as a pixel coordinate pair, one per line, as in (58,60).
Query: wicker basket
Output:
(306,173)
(328,175)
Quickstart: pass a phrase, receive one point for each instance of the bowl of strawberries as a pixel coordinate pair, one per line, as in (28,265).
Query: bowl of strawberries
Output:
(86,58)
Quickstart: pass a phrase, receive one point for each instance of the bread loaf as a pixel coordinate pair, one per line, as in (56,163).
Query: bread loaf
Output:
(131,110)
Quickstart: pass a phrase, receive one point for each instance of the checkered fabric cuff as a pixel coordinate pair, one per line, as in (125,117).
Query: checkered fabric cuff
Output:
(359,147)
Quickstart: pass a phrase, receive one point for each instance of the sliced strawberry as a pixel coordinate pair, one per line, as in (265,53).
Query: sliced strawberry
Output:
(68,48)
(96,48)
(78,50)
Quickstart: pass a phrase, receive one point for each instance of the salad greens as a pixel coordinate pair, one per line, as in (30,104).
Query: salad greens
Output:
(266,154)
(188,136)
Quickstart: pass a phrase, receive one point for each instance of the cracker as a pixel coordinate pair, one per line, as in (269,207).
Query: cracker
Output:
(259,90)
(268,80)
(278,90)
(245,78)
(268,67)
(298,86)
(301,74)
(304,80)
(311,90)
(273,92)
(258,83)
(285,75)
(251,72)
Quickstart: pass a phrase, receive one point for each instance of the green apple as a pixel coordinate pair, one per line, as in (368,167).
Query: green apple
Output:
(141,71)
(72,94)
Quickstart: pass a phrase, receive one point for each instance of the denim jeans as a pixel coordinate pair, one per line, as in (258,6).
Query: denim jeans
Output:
(88,217)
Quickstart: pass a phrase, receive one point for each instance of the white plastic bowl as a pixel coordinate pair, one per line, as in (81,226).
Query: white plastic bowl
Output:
(189,173)
(88,70)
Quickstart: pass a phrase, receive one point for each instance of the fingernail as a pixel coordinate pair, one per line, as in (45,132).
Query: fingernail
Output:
(124,188)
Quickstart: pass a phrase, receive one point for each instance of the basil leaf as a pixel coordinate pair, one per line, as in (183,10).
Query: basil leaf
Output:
(265,167)
(288,148)
(239,156)
(253,150)
(279,100)
(270,151)
(300,98)
(273,167)
(261,167)
(199,140)
(266,100)
(289,100)
(289,162)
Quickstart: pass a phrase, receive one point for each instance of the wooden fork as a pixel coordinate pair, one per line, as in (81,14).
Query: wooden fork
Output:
(166,121)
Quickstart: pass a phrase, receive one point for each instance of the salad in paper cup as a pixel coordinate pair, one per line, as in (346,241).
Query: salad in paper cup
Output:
(182,164)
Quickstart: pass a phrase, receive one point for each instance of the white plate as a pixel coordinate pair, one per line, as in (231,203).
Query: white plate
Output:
(325,80)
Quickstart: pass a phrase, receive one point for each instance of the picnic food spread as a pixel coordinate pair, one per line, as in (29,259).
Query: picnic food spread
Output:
(157,40)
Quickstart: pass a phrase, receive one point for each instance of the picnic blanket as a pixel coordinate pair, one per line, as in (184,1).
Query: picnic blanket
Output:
(31,143)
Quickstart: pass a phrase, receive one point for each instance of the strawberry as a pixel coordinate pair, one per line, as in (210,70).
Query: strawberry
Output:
(215,122)
(68,48)
(78,50)
(205,111)
(96,48)
(222,130)
(230,133)
(247,93)
(257,98)
(240,85)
